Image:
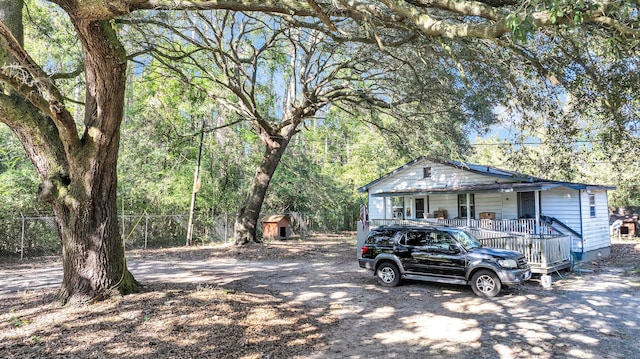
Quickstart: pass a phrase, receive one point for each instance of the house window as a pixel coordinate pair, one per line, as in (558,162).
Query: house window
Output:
(398,207)
(462,205)
(426,172)
(592,204)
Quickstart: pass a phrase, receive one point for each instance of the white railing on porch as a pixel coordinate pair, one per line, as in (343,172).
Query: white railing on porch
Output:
(544,251)
(526,226)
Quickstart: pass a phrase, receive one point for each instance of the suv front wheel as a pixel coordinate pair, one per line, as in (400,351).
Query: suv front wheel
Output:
(388,274)
(485,283)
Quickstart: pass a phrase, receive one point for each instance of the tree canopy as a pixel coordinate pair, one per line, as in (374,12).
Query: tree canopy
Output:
(542,60)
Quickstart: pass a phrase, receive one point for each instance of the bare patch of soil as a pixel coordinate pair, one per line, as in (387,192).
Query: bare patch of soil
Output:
(625,254)
(309,299)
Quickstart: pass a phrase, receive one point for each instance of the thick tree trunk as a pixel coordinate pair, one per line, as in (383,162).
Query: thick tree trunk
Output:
(93,252)
(247,220)
(78,173)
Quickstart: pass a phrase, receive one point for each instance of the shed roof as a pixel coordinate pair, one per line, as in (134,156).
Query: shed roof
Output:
(274,218)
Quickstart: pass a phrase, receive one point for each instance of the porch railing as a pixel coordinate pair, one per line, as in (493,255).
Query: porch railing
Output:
(544,252)
(527,226)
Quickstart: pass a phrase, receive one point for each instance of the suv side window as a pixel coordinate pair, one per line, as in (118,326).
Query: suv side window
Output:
(441,241)
(415,238)
(381,236)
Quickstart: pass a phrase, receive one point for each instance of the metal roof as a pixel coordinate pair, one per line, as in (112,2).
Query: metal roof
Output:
(493,187)
(491,171)
(520,182)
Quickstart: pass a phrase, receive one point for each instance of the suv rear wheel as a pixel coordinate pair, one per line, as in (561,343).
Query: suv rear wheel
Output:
(485,283)
(388,274)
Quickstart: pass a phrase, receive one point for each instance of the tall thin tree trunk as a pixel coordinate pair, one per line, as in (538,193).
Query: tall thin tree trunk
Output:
(247,220)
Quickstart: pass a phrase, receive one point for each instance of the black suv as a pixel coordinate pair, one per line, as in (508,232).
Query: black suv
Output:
(440,254)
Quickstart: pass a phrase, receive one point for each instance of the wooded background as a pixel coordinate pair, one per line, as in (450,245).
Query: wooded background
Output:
(538,103)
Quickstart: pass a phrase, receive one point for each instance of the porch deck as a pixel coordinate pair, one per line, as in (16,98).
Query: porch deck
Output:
(545,252)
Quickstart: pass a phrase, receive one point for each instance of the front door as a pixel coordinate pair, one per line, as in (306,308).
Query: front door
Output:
(419,208)
(526,204)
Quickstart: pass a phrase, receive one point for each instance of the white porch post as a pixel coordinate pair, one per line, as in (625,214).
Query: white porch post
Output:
(537,206)
(468,209)
(384,207)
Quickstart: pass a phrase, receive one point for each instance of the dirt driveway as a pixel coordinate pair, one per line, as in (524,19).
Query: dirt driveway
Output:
(309,299)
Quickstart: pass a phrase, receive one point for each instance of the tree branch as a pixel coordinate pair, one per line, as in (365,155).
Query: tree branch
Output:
(35,85)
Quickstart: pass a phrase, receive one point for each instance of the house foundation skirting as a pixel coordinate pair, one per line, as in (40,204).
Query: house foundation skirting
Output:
(596,254)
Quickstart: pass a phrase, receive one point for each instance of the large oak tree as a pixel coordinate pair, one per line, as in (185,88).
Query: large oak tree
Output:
(77,161)
(273,74)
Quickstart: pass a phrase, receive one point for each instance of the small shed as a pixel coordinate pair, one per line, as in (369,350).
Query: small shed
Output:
(629,227)
(277,226)
(622,225)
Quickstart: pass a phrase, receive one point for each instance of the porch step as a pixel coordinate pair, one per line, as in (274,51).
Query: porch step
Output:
(551,269)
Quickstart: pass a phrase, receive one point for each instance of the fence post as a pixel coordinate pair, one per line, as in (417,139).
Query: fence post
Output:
(22,237)
(146,229)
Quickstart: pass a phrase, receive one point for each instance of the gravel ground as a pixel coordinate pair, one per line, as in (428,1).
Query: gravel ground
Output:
(309,299)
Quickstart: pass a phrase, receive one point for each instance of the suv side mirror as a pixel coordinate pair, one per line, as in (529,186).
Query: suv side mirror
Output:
(454,248)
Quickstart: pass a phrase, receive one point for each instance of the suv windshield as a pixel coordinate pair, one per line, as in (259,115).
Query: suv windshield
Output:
(466,239)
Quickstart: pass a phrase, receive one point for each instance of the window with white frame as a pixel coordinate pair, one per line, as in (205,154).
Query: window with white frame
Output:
(462,205)
(592,204)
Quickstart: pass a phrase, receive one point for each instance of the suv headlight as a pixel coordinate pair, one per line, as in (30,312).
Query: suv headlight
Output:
(508,263)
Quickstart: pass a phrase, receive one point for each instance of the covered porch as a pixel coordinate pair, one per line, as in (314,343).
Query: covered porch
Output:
(493,204)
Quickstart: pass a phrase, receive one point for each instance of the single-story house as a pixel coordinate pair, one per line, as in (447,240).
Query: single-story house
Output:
(491,199)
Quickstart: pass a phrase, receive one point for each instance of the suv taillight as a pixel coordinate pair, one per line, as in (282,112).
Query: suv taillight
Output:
(364,250)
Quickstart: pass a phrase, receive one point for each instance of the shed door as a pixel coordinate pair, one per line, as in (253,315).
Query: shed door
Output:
(283,232)
(526,204)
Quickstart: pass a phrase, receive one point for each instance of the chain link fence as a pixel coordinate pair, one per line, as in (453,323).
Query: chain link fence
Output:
(38,236)
(160,231)
(33,236)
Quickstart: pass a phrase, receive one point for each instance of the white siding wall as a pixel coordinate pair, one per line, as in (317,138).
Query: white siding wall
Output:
(504,205)
(377,208)
(448,202)
(510,205)
(563,204)
(442,176)
(488,202)
(408,204)
(596,229)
